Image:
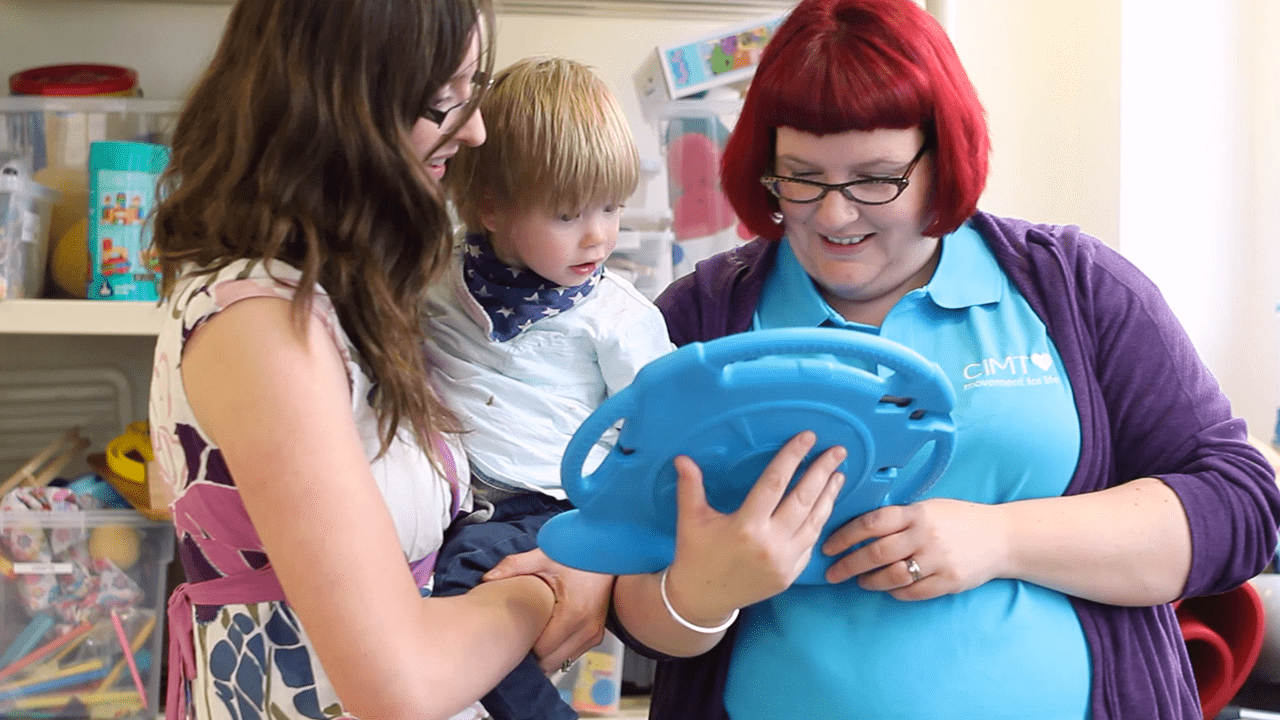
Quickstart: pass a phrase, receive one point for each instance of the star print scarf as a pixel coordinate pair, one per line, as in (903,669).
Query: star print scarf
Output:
(514,299)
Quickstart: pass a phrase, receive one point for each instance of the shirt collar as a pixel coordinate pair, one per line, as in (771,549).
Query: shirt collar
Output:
(789,298)
(967,275)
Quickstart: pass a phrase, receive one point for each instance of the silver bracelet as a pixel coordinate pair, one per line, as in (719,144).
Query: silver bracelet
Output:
(662,584)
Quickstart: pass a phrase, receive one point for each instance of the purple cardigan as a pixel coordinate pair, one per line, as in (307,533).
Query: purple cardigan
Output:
(1148,407)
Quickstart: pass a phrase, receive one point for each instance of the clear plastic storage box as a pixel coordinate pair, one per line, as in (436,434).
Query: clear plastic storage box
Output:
(25,210)
(52,136)
(644,259)
(692,136)
(82,613)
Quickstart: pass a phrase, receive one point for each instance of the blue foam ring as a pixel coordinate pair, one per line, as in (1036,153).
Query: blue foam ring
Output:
(730,404)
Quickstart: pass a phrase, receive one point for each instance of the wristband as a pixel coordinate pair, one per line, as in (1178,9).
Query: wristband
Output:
(662,585)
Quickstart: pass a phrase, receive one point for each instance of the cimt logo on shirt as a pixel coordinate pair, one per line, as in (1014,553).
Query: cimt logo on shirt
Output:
(1011,371)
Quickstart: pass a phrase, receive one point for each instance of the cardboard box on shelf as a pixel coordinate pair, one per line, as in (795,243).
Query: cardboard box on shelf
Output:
(687,67)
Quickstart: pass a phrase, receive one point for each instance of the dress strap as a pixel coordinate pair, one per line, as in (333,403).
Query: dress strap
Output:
(450,474)
(252,587)
(255,587)
(424,568)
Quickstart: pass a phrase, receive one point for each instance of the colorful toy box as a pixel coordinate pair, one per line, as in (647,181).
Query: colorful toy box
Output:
(122,193)
(82,604)
(688,67)
(693,135)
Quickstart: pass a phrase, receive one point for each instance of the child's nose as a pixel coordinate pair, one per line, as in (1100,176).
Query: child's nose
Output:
(595,234)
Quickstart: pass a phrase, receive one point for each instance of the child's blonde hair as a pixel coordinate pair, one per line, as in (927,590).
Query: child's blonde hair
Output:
(557,141)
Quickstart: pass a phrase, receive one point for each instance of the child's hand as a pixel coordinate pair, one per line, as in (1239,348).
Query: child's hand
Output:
(582,604)
(724,562)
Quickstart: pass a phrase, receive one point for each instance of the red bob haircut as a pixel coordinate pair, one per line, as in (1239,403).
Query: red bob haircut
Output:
(840,65)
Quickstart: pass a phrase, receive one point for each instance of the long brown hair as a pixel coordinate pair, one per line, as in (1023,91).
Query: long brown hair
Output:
(294,146)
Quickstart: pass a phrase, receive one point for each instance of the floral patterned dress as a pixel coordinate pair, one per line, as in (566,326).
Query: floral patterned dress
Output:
(246,655)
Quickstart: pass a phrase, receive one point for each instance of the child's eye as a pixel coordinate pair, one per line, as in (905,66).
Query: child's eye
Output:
(566,217)
(611,209)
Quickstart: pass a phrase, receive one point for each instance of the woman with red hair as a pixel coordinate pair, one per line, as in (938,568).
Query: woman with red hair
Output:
(1098,473)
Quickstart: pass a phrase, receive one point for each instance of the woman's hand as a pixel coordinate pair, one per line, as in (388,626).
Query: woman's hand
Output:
(1125,545)
(952,545)
(725,562)
(582,604)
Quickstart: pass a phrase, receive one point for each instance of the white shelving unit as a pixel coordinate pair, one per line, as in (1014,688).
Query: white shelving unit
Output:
(65,341)
(79,317)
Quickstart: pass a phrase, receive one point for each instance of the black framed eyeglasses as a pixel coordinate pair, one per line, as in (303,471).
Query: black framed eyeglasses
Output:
(438,116)
(479,83)
(867,191)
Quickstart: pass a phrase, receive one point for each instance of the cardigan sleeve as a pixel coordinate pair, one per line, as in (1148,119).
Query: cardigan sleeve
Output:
(1168,418)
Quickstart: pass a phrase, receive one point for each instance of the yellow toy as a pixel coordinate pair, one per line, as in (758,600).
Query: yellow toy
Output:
(596,688)
(118,543)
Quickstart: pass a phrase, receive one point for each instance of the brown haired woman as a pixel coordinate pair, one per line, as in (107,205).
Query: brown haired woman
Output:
(302,225)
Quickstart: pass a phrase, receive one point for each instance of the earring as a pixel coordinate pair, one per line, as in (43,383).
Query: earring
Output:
(776,218)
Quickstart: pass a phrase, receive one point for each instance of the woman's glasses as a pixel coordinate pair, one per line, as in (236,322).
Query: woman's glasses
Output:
(867,191)
(479,83)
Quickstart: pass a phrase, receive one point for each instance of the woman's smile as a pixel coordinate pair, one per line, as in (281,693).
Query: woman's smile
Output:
(862,258)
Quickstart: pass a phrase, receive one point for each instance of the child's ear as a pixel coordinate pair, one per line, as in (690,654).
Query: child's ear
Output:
(488,213)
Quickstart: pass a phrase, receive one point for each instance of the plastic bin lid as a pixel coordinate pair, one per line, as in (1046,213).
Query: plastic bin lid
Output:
(73,80)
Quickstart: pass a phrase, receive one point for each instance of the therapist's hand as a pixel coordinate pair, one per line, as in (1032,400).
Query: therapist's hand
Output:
(956,546)
(728,561)
(582,604)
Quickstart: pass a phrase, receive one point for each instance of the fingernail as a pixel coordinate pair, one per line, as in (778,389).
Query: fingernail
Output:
(838,479)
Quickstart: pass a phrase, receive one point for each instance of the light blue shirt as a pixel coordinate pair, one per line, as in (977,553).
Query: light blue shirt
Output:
(520,401)
(1007,649)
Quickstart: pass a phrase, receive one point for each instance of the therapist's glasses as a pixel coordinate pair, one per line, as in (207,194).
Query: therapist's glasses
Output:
(437,116)
(867,191)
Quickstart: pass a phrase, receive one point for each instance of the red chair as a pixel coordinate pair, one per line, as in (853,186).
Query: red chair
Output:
(1224,636)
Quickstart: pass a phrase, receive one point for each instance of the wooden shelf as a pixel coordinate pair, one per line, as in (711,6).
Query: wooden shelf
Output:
(79,317)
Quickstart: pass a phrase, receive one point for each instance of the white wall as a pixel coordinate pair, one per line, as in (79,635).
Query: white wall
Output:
(1199,180)
(1047,72)
(1256,376)
(1150,124)
(168,44)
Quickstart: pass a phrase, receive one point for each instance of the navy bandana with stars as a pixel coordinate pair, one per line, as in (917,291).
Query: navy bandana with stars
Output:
(515,299)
